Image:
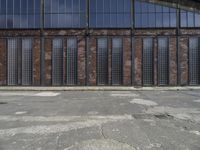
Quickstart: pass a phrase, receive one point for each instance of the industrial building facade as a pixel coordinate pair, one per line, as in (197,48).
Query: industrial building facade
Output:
(99,42)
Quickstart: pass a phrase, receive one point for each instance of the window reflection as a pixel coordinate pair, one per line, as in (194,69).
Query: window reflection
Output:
(19,14)
(65,13)
(110,13)
(150,15)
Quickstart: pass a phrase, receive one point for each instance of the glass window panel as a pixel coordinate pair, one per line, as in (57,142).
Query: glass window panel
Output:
(190,19)
(3,7)
(137,7)
(172,19)
(166,20)
(99,5)
(16,7)
(9,7)
(30,6)
(165,9)
(2,21)
(127,20)
(100,20)
(69,19)
(76,5)
(183,19)
(9,21)
(93,20)
(158,8)
(127,5)
(113,6)
(138,20)
(68,6)
(24,8)
(151,8)
(120,21)
(48,21)
(197,20)
(152,20)
(37,6)
(62,6)
(120,6)
(113,20)
(106,20)
(144,7)
(24,21)
(159,22)
(16,21)
(107,6)
(144,20)
(54,6)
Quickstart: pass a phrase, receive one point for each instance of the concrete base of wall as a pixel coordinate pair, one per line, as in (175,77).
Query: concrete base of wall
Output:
(97,88)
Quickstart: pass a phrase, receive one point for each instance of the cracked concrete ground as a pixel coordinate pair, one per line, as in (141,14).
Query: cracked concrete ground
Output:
(100,120)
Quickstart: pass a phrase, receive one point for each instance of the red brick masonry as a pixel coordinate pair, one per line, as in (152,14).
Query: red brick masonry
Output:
(87,50)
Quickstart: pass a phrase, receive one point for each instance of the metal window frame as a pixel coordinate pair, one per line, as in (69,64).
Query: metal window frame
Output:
(122,60)
(189,60)
(97,51)
(168,60)
(52,61)
(76,78)
(32,63)
(153,81)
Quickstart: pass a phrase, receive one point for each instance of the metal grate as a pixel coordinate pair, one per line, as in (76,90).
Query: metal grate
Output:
(163,61)
(102,61)
(117,61)
(72,54)
(27,56)
(148,61)
(12,61)
(57,62)
(194,60)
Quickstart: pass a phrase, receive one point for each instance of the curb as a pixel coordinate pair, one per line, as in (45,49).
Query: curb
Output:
(97,88)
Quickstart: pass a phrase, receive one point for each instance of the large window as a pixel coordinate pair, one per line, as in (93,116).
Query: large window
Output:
(65,13)
(150,15)
(190,19)
(19,14)
(110,13)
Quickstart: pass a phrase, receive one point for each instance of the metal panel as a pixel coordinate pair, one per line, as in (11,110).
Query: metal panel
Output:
(27,61)
(57,62)
(163,61)
(117,61)
(102,61)
(194,61)
(12,62)
(148,61)
(72,55)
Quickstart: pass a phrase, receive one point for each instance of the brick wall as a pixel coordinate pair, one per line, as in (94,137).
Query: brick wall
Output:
(132,54)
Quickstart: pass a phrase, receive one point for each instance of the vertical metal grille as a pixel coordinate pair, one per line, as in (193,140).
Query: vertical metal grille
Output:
(102,61)
(163,61)
(57,62)
(148,61)
(194,61)
(72,54)
(27,61)
(117,61)
(12,61)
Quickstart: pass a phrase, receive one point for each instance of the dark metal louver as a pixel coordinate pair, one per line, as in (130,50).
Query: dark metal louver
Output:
(117,61)
(148,61)
(163,61)
(12,61)
(72,55)
(27,61)
(102,61)
(57,62)
(194,60)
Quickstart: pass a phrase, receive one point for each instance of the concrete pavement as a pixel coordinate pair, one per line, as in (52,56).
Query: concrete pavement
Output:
(100,120)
